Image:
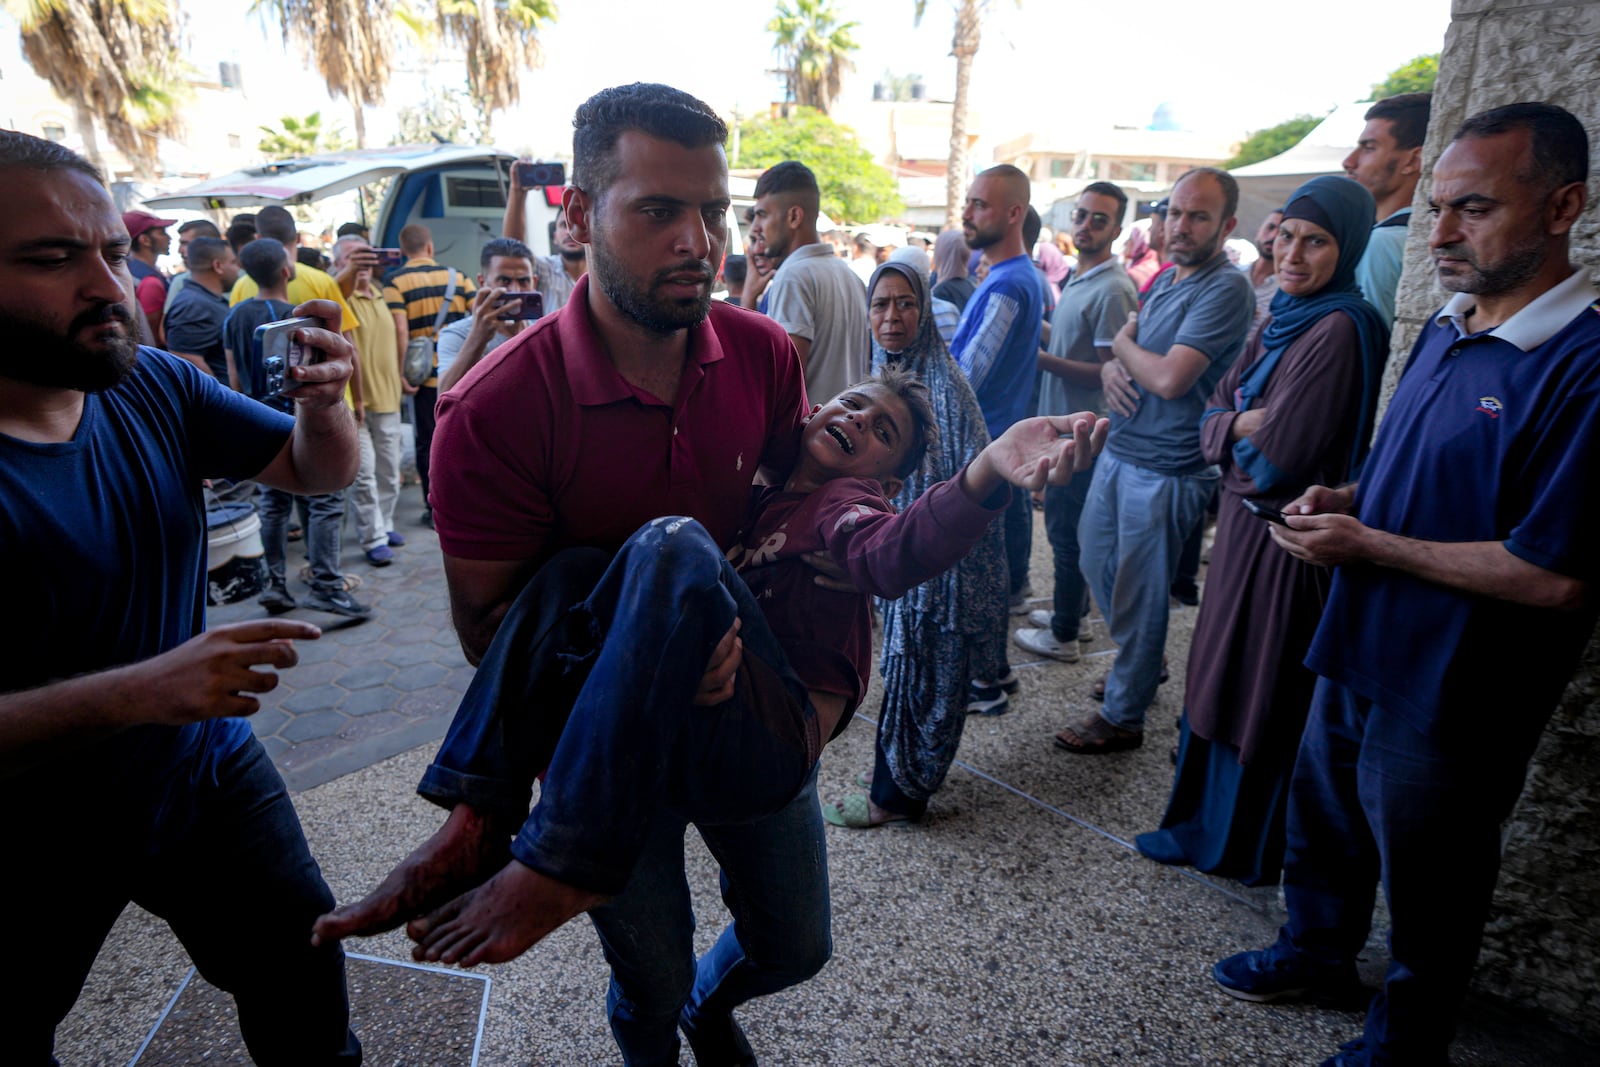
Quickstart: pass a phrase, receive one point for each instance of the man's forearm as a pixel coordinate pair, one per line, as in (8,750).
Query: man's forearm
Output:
(472,350)
(36,722)
(323,452)
(1485,568)
(1072,371)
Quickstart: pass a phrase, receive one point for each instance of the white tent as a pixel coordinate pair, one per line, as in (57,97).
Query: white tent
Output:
(1264,186)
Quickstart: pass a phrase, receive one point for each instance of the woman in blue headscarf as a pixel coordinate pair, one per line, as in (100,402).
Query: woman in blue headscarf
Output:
(1296,409)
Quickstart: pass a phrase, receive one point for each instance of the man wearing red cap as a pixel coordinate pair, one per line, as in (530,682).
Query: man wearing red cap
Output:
(150,239)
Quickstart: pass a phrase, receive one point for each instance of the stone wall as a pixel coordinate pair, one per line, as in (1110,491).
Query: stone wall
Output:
(1542,947)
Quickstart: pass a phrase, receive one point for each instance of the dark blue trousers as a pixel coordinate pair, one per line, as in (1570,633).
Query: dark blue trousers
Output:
(1372,798)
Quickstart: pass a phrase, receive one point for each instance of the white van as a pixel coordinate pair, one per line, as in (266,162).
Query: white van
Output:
(458,191)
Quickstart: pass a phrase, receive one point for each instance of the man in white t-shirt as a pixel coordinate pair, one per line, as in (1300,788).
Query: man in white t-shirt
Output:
(814,296)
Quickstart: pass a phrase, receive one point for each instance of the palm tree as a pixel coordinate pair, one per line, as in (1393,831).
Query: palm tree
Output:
(115,62)
(352,42)
(295,137)
(964,46)
(500,39)
(814,48)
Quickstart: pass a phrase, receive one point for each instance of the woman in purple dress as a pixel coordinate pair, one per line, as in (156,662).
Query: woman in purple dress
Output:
(1295,410)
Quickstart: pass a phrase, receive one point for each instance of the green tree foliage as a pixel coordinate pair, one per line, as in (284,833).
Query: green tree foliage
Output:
(813,47)
(854,187)
(1264,144)
(296,136)
(1416,76)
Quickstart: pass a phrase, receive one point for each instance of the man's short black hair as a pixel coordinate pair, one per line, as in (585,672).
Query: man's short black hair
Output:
(1230,187)
(734,270)
(657,110)
(241,232)
(792,178)
(1407,116)
(351,229)
(19,149)
(1560,144)
(509,247)
(204,251)
(276,222)
(201,228)
(1032,226)
(263,260)
(1113,191)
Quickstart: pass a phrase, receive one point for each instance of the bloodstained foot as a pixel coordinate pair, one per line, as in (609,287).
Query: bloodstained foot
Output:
(499,920)
(463,852)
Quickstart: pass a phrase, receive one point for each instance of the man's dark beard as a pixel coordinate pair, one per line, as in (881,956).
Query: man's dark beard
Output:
(33,352)
(658,315)
(1513,271)
(577,256)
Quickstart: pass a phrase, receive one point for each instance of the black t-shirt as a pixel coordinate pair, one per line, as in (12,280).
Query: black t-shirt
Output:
(238,334)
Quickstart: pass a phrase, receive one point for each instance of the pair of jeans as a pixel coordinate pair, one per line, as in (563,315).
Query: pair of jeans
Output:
(324,520)
(1372,796)
(1063,507)
(422,413)
(1018,519)
(215,849)
(593,671)
(1131,534)
(377,486)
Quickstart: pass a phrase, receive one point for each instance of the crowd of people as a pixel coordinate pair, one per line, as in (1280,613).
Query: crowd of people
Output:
(668,522)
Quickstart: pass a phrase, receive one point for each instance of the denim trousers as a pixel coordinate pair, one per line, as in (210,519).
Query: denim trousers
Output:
(593,673)
(377,486)
(1373,797)
(216,851)
(324,518)
(423,403)
(1131,534)
(1063,507)
(1018,519)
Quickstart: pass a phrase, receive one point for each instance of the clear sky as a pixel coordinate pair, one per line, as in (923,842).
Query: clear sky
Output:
(1228,67)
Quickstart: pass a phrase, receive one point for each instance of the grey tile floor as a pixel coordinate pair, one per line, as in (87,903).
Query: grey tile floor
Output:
(1014,926)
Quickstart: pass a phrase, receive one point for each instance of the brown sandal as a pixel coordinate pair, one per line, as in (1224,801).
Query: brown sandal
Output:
(1094,737)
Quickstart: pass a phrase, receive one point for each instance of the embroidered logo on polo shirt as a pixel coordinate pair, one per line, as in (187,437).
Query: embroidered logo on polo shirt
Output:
(1490,406)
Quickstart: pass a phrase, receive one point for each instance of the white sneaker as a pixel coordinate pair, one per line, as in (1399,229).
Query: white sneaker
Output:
(1044,643)
(1040,617)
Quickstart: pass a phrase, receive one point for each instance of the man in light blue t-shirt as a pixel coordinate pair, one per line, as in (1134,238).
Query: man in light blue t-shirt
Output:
(1387,161)
(1152,483)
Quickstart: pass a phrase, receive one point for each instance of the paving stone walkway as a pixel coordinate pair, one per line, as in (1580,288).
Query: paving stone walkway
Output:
(368,689)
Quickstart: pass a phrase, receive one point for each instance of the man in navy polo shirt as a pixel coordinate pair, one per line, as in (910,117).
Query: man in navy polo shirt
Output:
(639,398)
(1461,600)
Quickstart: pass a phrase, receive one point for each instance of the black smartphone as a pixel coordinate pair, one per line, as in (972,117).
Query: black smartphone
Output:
(277,352)
(533,175)
(1261,511)
(389,258)
(522,306)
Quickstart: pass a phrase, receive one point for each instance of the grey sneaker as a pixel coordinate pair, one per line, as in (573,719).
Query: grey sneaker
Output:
(1042,642)
(338,602)
(1040,617)
(276,599)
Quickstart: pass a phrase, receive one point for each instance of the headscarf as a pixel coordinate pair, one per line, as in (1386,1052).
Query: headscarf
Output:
(959,599)
(950,255)
(921,344)
(1345,209)
(1054,264)
(1138,246)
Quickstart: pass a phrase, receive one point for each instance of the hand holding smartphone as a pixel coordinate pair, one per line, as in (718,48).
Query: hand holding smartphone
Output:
(1261,511)
(528,305)
(277,353)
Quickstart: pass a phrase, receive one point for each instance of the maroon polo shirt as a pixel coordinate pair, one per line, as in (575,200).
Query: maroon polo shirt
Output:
(544,446)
